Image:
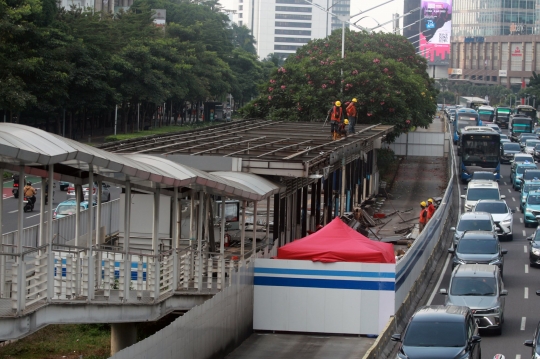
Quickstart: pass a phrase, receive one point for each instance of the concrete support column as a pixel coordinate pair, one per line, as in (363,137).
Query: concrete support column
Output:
(155,224)
(288,225)
(318,203)
(200,222)
(330,199)
(222,225)
(50,258)
(243,230)
(313,206)
(275,229)
(176,222)
(298,214)
(123,335)
(304,212)
(42,234)
(20,213)
(254,242)
(268,242)
(127,239)
(282,221)
(342,198)
(90,212)
(192,217)
(98,242)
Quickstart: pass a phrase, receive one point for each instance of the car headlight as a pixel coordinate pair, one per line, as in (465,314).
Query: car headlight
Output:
(535,251)
(495,310)
(507,220)
(459,260)
(528,210)
(495,261)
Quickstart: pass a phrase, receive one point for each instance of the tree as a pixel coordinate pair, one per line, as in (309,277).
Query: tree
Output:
(242,38)
(381,70)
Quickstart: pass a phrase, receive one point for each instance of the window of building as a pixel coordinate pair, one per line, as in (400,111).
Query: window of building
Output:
(293,8)
(240,23)
(293,24)
(293,17)
(286,47)
(504,56)
(300,40)
(537,57)
(494,78)
(292,32)
(528,56)
(240,15)
(240,7)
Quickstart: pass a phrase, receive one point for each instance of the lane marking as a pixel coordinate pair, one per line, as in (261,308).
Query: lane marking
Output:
(526,268)
(436,289)
(33,215)
(524,249)
(518,356)
(505,183)
(526,293)
(521,220)
(513,199)
(517,208)
(509,190)
(523,320)
(524,233)
(14,211)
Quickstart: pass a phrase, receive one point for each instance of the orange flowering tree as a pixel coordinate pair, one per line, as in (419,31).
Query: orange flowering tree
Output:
(380,70)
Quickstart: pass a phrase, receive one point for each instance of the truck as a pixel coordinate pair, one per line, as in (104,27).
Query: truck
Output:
(473,102)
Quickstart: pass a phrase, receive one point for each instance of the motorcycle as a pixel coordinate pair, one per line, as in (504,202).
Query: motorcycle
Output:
(15,190)
(28,204)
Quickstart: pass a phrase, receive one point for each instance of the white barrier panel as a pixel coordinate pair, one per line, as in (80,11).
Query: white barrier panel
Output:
(426,144)
(305,296)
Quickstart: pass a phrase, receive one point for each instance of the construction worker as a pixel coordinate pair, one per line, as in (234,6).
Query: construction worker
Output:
(336,115)
(423,216)
(351,113)
(430,209)
(342,129)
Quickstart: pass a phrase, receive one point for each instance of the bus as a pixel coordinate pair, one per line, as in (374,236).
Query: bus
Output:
(486,113)
(480,151)
(465,117)
(527,111)
(502,116)
(473,102)
(520,124)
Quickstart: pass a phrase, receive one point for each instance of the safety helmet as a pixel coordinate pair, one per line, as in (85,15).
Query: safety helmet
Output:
(423,204)
(354,100)
(29,183)
(430,200)
(338,103)
(346,121)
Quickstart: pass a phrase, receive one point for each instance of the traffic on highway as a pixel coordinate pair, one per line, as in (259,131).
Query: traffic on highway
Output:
(484,302)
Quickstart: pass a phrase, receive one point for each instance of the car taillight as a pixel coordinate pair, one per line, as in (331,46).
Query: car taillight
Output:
(54,215)
(71,189)
(94,190)
(15,185)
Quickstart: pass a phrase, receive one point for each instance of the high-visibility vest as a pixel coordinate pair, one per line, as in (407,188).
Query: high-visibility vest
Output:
(430,210)
(337,113)
(351,109)
(423,216)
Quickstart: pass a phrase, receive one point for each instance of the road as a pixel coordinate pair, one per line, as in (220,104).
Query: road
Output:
(10,212)
(521,281)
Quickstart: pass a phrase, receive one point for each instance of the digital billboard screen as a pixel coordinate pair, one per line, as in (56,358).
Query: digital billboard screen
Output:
(435,31)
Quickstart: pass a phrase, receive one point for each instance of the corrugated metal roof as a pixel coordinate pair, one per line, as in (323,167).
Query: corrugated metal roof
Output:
(24,145)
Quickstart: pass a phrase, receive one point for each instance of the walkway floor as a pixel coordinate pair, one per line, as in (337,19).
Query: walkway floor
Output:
(296,346)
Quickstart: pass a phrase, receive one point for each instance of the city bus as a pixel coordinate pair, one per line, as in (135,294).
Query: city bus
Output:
(527,111)
(502,116)
(519,124)
(480,151)
(486,113)
(465,117)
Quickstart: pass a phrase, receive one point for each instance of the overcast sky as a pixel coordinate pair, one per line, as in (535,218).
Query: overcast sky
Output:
(381,14)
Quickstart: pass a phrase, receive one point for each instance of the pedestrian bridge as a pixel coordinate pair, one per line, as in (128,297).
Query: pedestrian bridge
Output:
(84,269)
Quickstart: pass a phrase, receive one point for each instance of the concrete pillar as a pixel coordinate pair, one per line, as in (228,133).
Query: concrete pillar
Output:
(222,224)
(90,212)
(342,199)
(123,335)
(243,230)
(282,203)
(127,235)
(192,217)
(98,242)
(254,242)
(277,223)
(155,225)
(318,203)
(330,199)
(304,212)
(20,216)
(298,214)
(268,221)
(313,206)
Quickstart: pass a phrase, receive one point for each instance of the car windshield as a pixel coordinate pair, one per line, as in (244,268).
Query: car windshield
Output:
(435,334)
(521,169)
(477,246)
(483,176)
(525,138)
(474,225)
(473,286)
(475,194)
(537,147)
(531,143)
(66,209)
(531,187)
(503,136)
(522,158)
(533,199)
(531,174)
(491,207)
(511,146)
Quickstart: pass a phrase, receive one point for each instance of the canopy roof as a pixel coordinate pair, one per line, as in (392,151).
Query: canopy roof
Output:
(337,242)
(28,146)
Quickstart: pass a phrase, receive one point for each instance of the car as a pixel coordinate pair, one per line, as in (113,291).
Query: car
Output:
(478,190)
(530,174)
(531,209)
(479,287)
(530,144)
(472,221)
(64,185)
(481,247)
(69,207)
(501,215)
(528,186)
(439,331)
(537,132)
(503,136)
(519,158)
(483,175)
(519,174)
(536,154)
(505,140)
(508,150)
(526,136)
(105,192)
(534,247)
(534,343)
(494,126)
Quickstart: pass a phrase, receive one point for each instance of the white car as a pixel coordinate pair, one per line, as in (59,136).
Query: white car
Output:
(502,216)
(478,190)
(530,145)
(105,193)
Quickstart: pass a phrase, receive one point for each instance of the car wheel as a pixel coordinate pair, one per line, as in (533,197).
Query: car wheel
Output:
(498,331)
(526,225)
(510,237)
(109,197)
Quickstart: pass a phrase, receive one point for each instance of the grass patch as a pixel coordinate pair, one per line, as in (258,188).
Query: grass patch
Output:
(70,341)
(159,131)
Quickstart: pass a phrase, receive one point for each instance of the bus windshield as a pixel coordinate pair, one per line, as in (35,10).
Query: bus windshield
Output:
(480,150)
(522,125)
(486,115)
(465,120)
(528,111)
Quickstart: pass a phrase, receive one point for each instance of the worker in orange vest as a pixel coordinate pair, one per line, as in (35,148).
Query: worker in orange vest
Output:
(430,209)
(351,113)
(423,216)
(336,115)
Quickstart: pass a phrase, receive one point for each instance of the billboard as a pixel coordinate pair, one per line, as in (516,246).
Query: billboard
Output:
(435,31)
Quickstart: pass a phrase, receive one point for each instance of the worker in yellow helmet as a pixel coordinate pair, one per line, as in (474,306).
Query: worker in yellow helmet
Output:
(336,115)
(423,216)
(351,114)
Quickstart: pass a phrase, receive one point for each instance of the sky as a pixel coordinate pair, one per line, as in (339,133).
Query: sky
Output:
(381,14)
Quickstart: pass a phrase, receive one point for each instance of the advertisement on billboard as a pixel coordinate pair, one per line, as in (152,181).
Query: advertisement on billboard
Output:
(435,31)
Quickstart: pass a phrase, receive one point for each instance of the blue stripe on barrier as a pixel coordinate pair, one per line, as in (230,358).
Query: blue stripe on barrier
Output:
(134,273)
(405,271)
(333,273)
(323,283)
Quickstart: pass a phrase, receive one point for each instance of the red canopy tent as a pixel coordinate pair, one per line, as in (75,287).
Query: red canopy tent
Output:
(337,242)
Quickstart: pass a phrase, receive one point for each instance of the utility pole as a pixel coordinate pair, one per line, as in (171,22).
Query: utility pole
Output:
(115,118)
(395,27)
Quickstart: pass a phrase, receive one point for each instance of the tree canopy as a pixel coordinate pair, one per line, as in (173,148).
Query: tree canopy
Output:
(380,70)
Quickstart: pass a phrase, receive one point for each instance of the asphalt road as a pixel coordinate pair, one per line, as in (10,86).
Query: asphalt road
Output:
(10,212)
(522,305)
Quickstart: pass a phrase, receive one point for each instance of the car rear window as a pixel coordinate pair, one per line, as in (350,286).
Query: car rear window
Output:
(473,286)
(476,194)
(491,207)
(66,209)
(533,199)
(510,146)
(474,225)
(477,246)
(483,175)
(435,334)
(521,169)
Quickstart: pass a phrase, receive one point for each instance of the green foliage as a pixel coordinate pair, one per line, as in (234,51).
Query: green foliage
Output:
(495,93)
(446,97)
(381,70)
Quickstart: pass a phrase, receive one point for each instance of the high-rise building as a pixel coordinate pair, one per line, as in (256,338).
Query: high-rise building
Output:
(282,26)
(495,41)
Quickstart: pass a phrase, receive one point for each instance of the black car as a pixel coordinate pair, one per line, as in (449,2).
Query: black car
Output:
(440,332)
(535,343)
(481,247)
(534,247)
(508,149)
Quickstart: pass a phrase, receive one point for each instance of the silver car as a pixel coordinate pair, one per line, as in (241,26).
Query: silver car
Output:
(479,287)
(473,221)
(105,192)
